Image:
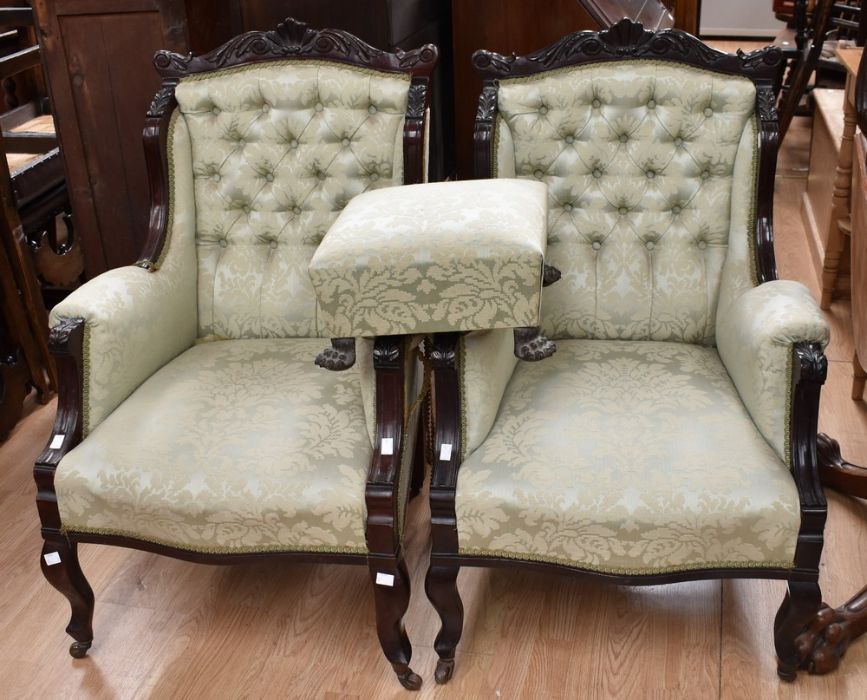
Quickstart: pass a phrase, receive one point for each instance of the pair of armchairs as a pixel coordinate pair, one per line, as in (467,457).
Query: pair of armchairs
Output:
(672,435)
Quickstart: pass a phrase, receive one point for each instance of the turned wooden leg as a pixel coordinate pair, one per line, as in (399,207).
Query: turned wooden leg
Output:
(803,600)
(59,562)
(340,356)
(441,586)
(391,593)
(858,378)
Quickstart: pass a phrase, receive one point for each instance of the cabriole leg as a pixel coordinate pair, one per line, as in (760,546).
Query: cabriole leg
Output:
(59,562)
(803,600)
(441,586)
(391,592)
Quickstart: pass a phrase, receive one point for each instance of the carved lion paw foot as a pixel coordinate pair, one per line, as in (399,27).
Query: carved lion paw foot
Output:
(823,642)
(550,274)
(408,679)
(532,346)
(78,650)
(340,356)
(445,671)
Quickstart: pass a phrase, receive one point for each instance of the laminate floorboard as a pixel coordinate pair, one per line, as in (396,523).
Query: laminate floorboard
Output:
(171,629)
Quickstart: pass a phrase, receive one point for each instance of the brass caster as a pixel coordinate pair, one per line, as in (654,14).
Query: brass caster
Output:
(445,671)
(408,679)
(78,650)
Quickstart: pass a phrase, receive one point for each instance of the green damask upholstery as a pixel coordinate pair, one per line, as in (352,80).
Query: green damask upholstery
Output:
(277,152)
(233,446)
(435,257)
(631,458)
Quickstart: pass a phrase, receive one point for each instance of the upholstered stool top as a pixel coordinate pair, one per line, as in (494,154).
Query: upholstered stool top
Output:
(450,256)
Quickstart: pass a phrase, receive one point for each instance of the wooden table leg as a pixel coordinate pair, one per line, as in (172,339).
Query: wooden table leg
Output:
(825,640)
(839,203)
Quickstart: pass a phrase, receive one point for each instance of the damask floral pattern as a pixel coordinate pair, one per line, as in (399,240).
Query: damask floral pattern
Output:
(627,457)
(277,154)
(240,445)
(434,257)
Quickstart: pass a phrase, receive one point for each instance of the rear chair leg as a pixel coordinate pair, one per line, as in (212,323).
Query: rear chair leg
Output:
(60,567)
(391,593)
(801,604)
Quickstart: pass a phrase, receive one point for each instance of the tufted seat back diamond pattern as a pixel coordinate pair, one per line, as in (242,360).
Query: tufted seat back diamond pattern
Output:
(278,150)
(638,157)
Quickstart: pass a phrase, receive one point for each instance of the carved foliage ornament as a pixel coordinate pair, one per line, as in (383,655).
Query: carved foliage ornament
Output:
(628,39)
(293,39)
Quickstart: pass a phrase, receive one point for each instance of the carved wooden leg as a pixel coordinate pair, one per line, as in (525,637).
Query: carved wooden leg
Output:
(60,566)
(836,472)
(859,376)
(803,599)
(391,592)
(441,586)
(531,345)
(340,356)
(822,645)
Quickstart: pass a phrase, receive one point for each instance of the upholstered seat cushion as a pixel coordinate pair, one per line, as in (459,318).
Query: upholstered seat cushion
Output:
(433,257)
(236,445)
(631,458)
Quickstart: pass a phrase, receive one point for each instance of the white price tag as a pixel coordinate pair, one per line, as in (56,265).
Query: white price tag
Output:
(383,579)
(57,441)
(51,558)
(445,452)
(387,446)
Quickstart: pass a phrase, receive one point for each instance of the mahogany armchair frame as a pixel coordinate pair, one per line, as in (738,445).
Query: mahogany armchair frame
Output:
(59,560)
(625,41)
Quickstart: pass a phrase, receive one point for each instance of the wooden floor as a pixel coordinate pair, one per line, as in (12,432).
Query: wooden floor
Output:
(170,629)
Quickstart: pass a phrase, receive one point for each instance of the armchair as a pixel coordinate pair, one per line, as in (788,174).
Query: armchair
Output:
(192,421)
(673,435)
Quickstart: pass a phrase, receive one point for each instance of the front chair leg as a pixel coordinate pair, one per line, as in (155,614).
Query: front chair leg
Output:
(59,562)
(803,600)
(340,356)
(531,345)
(391,593)
(441,586)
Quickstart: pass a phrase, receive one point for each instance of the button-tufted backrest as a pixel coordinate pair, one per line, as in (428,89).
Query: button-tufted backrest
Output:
(638,157)
(278,150)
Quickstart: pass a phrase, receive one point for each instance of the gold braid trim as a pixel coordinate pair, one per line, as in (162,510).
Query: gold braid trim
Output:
(754,194)
(170,223)
(211,549)
(787,420)
(622,571)
(85,381)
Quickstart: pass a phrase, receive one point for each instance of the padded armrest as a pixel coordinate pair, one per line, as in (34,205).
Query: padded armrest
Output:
(755,335)
(135,322)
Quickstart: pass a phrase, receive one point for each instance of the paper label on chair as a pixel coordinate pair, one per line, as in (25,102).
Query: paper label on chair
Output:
(383,579)
(387,446)
(445,452)
(57,442)
(51,558)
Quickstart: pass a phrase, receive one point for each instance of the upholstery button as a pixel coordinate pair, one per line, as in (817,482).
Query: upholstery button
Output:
(216,177)
(296,210)
(539,174)
(708,112)
(675,210)
(596,245)
(215,110)
(266,107)
(223,243)
(344,142)
(371,110)
(246,209)
(320,175)
(597,172)
(651,104)
(269,177)
(705,174)
(567,207)
(293,144)
(650,245)
(242,142)
(651,174)
(543,110)
(622,211)
(374,177)
(570,139)
(272,245)
(318,107)
(702,245)
(623,138)
(678,142)
(596,104)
